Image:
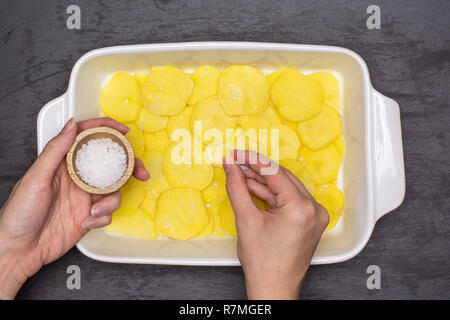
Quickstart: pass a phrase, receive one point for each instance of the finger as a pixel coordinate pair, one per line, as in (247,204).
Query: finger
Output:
(262,191)
(140,172)
(94,223)
(54,152)
(237,190)
(107,205)
(250,174)
(277,181)
(103,122)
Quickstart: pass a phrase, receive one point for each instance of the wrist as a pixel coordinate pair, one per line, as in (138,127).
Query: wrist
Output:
(11,276)
(268,289)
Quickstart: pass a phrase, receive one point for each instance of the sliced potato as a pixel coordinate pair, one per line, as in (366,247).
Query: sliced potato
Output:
(206,80)
(331,198)
(323,164)
(120,223)
(149,122)
(217,187)
(181,213)
(227,219)
(166,90)
(288,143)
(141,225)
(340,146)
(187,173)
(214,212)
(141,77)
(273,76)
(133,193)
(180,121)
(212,116)
(262,120)
(300,173)
(157,141)
(296,96)
(120,97)
(208,229)
(331,88)
(319,131)
(157,182)
(136,138)
(243,90)
(149,207)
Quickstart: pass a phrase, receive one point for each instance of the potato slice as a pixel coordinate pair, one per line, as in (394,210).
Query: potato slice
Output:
(301,173)
(149,122)
(206,80)
(243,90)
(133,193)
(296,96)
(290,124)
(157,141)
(332,199)
(120,223)
(319,131)
(187,173)
(141,225)
(181,213)
(323,164)
(212,116)
(149,207)
(136,138)
(227,219)
(262,120)
(217,187)
(208,229)
(340,146)
(180,121)
(331,88)
(141,77)
(166,90)
(273,76)
(157,182)
(214,212)
(288,143)
(120,97)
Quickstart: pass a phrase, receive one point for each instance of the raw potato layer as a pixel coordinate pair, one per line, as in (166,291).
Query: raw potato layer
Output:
(242,105)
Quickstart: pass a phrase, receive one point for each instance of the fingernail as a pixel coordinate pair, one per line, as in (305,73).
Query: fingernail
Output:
(69,126)
(97,211)
(88,224)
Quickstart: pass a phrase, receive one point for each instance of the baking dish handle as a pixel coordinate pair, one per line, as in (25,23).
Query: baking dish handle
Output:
(51,120)
(390,172)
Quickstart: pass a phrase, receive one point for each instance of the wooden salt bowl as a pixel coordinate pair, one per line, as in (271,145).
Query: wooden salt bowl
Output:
(99,133)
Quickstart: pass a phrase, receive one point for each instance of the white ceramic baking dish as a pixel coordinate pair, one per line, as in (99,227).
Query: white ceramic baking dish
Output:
(372,176)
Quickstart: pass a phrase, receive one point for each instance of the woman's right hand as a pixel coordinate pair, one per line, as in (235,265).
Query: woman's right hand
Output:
(275,247)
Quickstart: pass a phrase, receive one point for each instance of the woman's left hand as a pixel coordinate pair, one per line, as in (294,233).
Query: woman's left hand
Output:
(47,213)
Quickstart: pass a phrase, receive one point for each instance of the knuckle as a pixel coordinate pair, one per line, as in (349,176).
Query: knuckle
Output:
(306,215)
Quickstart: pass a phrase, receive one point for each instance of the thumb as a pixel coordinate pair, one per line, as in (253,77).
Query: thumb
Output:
(54,152)
(237,189)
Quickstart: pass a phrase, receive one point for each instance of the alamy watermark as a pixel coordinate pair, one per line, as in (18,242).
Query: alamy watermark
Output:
(374,20)
(74,280)
(374,280)
(73,22)
(189,149)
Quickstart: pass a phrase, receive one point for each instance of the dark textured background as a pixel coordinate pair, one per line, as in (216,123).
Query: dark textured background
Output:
(408,60)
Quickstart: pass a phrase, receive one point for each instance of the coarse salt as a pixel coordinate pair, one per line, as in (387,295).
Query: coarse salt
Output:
(101,162)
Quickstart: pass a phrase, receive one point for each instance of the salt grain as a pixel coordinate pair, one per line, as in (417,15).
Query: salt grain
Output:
(101,162)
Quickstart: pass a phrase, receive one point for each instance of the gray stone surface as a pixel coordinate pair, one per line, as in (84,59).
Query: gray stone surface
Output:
(408,59)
